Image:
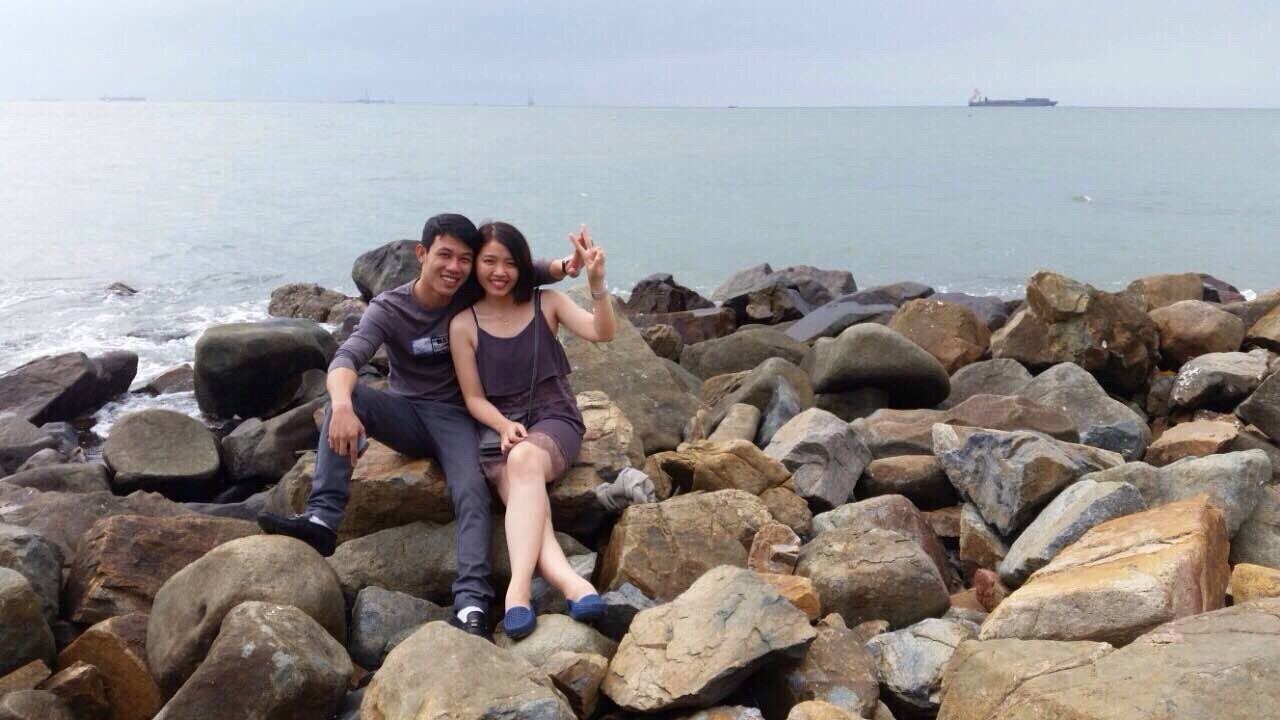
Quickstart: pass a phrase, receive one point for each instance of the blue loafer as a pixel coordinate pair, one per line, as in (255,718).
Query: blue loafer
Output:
(589,608)
(519,622)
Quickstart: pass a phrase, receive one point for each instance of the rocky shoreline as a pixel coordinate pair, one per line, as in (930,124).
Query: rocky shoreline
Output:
(872,503)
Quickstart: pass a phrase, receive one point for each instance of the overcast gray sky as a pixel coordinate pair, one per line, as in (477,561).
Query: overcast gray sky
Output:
(691,52)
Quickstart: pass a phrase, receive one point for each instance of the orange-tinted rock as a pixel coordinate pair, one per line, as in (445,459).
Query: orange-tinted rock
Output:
(951,333)
(118,649)
(1193,439)
(774,549)
(1252,582)
(799,591)
(82,688)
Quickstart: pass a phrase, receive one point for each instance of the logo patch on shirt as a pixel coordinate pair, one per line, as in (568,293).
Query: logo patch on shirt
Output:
(431,345)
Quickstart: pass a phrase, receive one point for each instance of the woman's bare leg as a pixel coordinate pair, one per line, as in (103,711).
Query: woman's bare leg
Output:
(523,488)
(555,568)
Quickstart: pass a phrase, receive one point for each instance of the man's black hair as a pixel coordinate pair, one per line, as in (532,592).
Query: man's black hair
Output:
(454,225)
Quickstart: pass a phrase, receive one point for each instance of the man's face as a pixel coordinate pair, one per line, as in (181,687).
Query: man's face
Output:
(446,265)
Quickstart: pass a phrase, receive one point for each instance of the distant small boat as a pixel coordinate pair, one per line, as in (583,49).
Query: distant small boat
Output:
(980,100)
(366,100)
(122,98)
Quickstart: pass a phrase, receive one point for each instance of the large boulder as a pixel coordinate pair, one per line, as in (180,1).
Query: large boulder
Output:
(62,477)
(911,662)
(1001,376)
(24,634)
(660,293)
(263,451)
(1158,291)
(1262,408)
(695,650)
(628,372)
(743,350)
(836,669)
(874,574)
(279,661)
(1123,578)
(303,300)
(919,478)
(662,548)
(1068,321)
(165,451)
(64,387)
(887,512)
(888,433)
(1191,328)
(1222,665)
(1218,380)
(693,326)
(63,517)
(1010,476)
(36,559)
(380,616)
(1068,516)
(1101,420)
(558,633)
(1258,541)
(123,560)
(875,356)
(253,369)
(478,680)
(1233,482)
(191,605)
(387,490)
(386,267)
(824,456)
(951,333)
(1266,332)
(118,649)
(758,388)
(421,559)
(20,440)
(735,464)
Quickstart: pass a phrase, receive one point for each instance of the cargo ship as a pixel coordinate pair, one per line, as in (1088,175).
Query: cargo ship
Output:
(980,100)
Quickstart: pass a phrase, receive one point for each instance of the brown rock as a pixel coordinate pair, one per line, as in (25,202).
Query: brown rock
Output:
(660,293)
(837,669)
(27,677)
(919,478)
(889,433)
(1193,439)
(123,560)
(819,710)
(988,589)
(387,490)
(774,549)
(303,300)
(1157,291)
(710,466)
(663,340)
(1123,578)
(951,333)
(888,512)
(693,326)
(1192,327)
(945,522)
(578,675)
(1266,331)
(662,548)
(1254,582)
(63,517)
(82,688)
(789,509)
(118,649)
(980,546)
(800,591)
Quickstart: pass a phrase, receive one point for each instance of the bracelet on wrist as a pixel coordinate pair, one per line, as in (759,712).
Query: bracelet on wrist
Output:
(599,294)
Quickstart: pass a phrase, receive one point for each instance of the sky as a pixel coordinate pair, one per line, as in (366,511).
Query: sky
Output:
(1134,53)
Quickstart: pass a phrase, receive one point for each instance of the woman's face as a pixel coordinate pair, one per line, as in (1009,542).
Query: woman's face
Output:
(496,269)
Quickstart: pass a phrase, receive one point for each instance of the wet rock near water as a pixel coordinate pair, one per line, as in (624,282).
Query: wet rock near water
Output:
(254,369)
(65,387)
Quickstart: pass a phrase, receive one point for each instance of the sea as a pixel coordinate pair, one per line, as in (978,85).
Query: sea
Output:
(204,208)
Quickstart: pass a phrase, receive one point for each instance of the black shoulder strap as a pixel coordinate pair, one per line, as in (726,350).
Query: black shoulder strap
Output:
(537,310)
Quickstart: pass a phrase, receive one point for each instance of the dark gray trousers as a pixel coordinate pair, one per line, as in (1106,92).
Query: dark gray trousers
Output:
(419,428)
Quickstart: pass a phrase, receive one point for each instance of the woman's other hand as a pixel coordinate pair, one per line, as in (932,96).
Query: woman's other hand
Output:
(592,258)
(512,433)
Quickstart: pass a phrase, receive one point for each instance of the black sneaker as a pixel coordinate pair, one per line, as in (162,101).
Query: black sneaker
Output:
(314,534)
(477,623)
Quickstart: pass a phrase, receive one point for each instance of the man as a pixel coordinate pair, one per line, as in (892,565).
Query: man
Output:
(421,414)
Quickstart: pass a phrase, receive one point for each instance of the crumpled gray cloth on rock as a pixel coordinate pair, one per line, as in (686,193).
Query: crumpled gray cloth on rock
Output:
(631,487)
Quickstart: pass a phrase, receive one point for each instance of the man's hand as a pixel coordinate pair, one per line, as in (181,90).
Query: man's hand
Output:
(345,433)
(574,263)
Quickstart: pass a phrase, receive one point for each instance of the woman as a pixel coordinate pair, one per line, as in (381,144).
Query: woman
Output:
(514,378)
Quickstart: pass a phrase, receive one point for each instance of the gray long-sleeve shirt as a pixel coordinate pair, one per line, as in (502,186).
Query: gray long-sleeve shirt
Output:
(417,341)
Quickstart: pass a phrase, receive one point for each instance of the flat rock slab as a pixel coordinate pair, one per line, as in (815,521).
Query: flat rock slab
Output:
(1193,439)
(165,451)
(695,650)
(1221,665)
(1123,578)
(889,433)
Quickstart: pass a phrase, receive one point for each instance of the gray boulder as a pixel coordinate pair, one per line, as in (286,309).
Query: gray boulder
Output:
(64,387)
(833,318)
(729,623)
(824,456)
(990,309)
(740,281)
(911,662)
(20,440)
(386,267)
(268,661)
(38,560)
(621,607)
(174,380)
(24,634)
(875,356)
(743,350)
(254,369)
(1258,541)
(1233,481)
(1010,476)
(1101,420)
(379,615)
(558,633)
(165,451)
(1064,520)
(1262,408)
(1218,380)
(1001,376)
(62,517)
(758,387)
(266,450)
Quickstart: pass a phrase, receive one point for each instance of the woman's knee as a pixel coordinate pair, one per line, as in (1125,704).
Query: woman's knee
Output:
(526,461)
